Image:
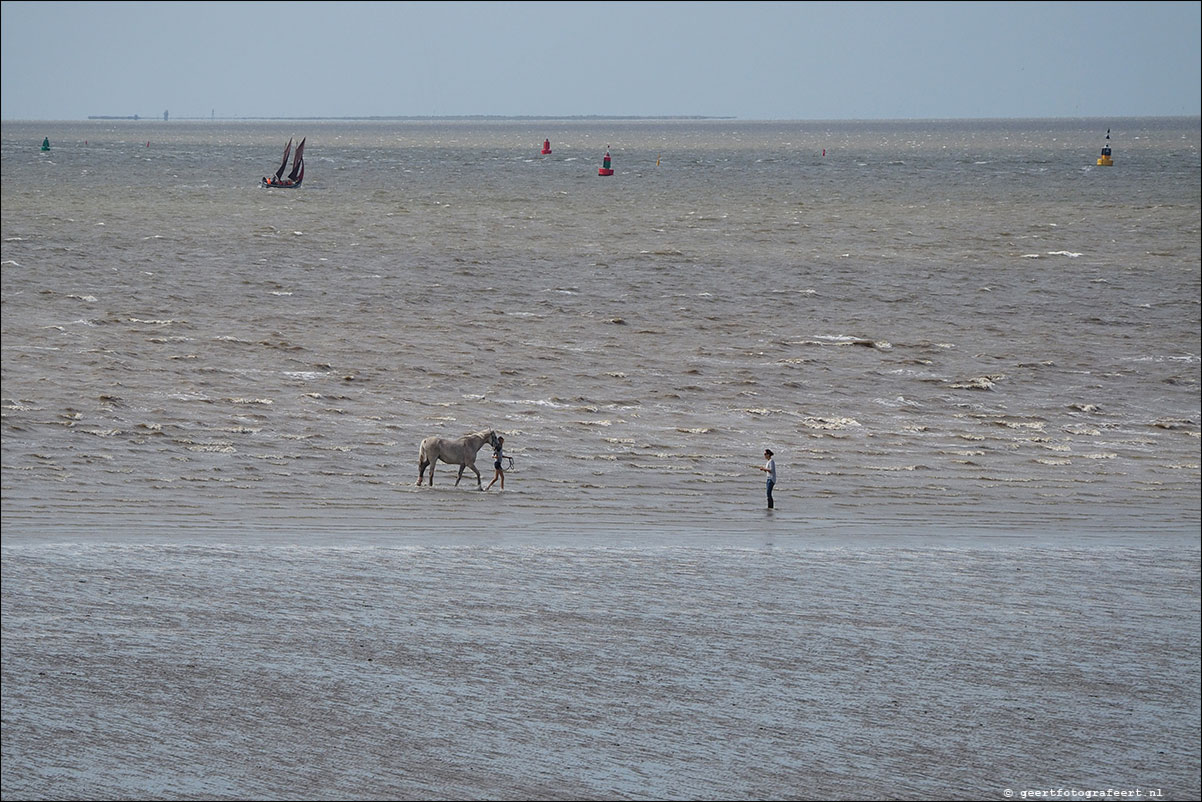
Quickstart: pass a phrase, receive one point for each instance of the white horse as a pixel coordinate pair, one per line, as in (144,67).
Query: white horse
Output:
(460,451)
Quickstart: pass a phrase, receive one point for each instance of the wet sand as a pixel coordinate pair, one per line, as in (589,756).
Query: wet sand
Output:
(619,664)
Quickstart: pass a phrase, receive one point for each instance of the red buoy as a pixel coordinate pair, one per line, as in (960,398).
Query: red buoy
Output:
(605,168)
(546,147)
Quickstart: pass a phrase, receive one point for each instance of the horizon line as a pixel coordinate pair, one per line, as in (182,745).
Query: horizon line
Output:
(567,117)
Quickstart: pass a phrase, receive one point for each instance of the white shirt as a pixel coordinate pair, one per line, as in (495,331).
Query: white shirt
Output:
(770,467)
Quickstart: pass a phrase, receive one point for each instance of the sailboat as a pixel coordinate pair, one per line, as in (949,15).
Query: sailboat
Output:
(298,169)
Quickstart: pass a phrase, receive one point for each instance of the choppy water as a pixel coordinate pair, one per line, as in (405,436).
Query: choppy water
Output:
(939,321)
(220,579)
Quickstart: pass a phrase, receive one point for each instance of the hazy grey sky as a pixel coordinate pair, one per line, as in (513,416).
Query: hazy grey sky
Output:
(803,61)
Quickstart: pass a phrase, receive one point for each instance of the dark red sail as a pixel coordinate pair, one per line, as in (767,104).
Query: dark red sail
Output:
(284,164)
(298,164)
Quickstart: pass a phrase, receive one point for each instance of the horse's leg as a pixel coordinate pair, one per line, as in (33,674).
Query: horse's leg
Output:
(462,465)
(479,484)
(421,472)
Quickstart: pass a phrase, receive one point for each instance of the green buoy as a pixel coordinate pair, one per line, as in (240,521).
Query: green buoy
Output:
(46,143)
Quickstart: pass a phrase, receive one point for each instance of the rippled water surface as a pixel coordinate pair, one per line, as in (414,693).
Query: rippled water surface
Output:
(974,352)
(938,322)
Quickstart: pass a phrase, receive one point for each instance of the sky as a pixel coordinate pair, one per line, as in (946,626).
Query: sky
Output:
(745,60)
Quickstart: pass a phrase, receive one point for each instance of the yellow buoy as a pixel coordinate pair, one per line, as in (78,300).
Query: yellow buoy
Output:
(1104,160)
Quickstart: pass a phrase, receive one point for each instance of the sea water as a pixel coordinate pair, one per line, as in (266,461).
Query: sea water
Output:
(974,352)
(937,321)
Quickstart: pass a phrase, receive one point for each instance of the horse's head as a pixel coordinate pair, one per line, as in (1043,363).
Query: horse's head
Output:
(492,438)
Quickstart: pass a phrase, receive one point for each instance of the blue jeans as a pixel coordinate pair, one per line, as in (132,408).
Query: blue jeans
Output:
(771,482)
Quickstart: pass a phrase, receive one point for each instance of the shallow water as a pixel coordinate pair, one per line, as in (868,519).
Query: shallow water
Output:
(670,670)
(940,320)
(975,354)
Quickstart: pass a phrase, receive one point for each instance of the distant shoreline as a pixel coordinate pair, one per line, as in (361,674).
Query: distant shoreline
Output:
(569,118)
(500,117)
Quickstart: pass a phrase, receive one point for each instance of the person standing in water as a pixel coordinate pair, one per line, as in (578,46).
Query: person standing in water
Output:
(498,454)
(770,469)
